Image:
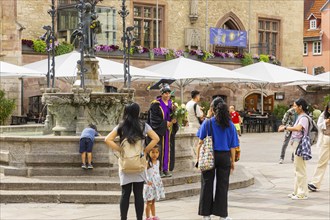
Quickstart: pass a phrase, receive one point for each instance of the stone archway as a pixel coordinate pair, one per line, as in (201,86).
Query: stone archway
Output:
(252,102)
(232,20)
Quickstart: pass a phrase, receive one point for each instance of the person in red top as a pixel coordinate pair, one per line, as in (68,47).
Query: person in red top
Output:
(236,118)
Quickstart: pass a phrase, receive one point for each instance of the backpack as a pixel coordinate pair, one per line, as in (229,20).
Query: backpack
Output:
(313,130)
(198,118)
(132,158)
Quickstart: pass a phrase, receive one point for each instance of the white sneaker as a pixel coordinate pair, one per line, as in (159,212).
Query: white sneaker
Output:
(206,217)
(281,161)
(291,195)
(299,197)
(227,218)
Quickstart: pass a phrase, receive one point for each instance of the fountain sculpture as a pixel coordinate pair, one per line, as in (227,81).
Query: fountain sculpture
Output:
(69,113)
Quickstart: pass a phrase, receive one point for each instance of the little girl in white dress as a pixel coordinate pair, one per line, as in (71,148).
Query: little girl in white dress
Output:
(154,189)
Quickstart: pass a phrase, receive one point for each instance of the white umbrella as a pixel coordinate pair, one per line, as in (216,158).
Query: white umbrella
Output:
(8,70)
(11,70)
(323,77)
(187,71)
(270,73)
(66,66)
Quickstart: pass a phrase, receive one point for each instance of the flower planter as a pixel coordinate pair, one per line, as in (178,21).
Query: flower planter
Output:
(224,60)
(27,49)
(117,53)
(140,56)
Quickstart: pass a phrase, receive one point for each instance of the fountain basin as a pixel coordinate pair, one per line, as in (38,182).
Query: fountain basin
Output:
(59,156)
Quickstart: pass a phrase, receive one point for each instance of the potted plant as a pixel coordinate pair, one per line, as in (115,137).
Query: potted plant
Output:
(7,107)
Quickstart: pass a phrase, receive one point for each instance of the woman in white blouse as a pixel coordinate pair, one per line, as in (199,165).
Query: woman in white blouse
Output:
(324,126)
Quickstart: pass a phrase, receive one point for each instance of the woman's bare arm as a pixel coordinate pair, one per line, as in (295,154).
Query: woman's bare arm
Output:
(110,140)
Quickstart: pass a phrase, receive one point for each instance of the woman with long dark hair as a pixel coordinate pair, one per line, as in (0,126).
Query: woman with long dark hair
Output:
(323,124)
(299,129)
(225,140)
(133,130)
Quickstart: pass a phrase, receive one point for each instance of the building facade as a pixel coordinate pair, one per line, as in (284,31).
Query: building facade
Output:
(272,27)
(316,50)
(181,23)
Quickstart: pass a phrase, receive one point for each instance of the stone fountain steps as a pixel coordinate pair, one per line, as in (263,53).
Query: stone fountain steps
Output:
(93,189)
(90,197)
(58,171)
(88,183)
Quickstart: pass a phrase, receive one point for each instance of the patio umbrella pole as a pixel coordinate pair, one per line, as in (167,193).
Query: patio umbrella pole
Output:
(262,100)
(22,98)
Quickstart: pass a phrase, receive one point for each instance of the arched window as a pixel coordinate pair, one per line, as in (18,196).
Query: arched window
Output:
(232,22)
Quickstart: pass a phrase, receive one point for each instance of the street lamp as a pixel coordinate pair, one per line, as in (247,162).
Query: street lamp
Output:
(81,7)
(46,38)
(49,36)
(127,38)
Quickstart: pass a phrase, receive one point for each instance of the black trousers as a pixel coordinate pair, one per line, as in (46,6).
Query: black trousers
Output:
(138,196)
(219,204)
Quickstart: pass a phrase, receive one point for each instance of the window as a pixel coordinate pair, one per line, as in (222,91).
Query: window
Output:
(67,21)
(317,48)
(107,17)
(145,25)
(306,70)
(312,24)
(305,52)
(268,36)
(314,68)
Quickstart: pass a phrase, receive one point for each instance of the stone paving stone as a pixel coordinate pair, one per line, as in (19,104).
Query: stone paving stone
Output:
(266,199)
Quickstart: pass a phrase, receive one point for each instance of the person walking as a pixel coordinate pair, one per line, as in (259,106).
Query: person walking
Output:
(299,129)
(323,124)
(225,141)
(132,129)
(159,118)
(289,119)
(195,114)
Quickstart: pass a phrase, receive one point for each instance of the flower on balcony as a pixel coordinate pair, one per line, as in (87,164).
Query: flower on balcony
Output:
(27,42)
(179,53)
(106,48)
(231,55)
(138,50)
(160,51)
(219,54)
(202,54)
(239,55)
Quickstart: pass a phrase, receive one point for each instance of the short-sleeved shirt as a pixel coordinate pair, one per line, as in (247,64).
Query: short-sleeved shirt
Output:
(89,133)
(235,117)
(224,138)
(192,119)
(126,178)
(303,121)
(316,114)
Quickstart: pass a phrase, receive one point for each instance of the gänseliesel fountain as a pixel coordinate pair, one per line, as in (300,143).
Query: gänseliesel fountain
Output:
(52,162)
(70,113)
(55,153)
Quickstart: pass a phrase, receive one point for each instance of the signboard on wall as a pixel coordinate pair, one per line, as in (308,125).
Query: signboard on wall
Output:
(229,38)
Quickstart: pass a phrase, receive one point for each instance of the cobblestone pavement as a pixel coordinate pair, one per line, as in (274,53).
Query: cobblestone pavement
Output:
(266,199)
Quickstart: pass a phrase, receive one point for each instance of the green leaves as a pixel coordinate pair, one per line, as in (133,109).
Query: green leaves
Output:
(39,46)
(64,48)
(7,107)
